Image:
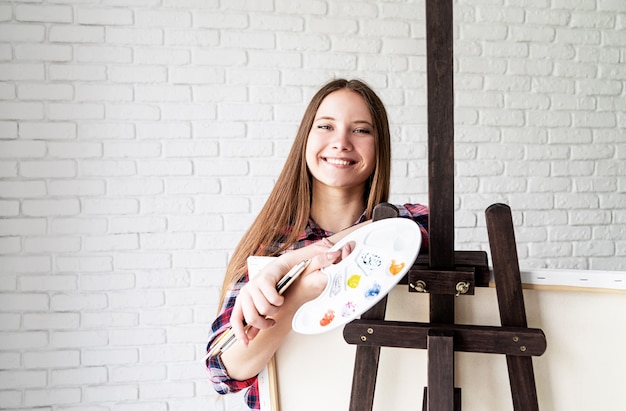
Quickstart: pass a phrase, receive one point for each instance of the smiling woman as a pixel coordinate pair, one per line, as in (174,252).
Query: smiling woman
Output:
(341,156)
(337,171)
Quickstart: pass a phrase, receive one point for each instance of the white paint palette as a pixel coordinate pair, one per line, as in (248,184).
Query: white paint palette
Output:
(384,251)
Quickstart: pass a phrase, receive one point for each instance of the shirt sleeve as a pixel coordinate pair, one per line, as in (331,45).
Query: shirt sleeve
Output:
(419,214)
(222,382)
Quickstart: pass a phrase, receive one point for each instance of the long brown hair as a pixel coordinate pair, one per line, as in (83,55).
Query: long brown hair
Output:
(289,203)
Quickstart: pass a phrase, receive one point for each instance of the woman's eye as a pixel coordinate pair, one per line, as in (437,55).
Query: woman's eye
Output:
(362,131)
(324,126)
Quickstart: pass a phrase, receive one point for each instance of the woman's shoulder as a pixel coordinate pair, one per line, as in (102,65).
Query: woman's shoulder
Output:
(412,209)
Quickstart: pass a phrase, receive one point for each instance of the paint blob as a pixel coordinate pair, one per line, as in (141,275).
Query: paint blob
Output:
(328,318)
(353,281)
(373,291)
(395,268)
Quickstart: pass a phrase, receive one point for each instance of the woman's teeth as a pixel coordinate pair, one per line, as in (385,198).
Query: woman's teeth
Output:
(338,162)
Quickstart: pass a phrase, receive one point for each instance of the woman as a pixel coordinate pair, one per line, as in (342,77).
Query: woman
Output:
(338,169)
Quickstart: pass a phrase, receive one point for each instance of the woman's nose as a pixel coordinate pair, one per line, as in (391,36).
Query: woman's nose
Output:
(342,139)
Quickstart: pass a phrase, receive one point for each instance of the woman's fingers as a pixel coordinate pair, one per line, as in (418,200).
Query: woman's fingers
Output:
(258,301)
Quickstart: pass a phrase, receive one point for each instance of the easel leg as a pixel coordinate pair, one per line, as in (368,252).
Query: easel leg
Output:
(441,371)
(511,301)
(366,366)
(366,359)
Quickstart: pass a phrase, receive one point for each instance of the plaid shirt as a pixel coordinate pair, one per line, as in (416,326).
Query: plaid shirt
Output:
(222,383)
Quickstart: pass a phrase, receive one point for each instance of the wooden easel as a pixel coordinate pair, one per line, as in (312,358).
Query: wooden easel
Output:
(446,273)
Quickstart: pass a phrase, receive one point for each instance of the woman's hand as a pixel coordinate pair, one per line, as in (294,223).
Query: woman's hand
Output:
(258,302)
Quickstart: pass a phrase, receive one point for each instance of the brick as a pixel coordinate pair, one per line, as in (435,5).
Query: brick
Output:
(115,131)
(190,185)
(99,282)
(103,54)
(349,26)
(133,187)
(109,357)
(21,111)
(83,263)
(10,360)
(51,244)
(363,45)
(212,20)
(77,34)
(8,129)
(135,36)
(73,302)
(162,93)
(84,111)
(38,13)
(144,406)
(22,379)
(132,111)
(163,131)
(190,149)
(77,339)
(25,264)
(145,224)
(133,300)
(168,353)
(165,18)
(167,241)
(108,168)
(132,149)
(79,376)
(44,52)
(138,373)
(23,340)
(167,390)
(104,16)
(162,279)
(49,169)
(245,5)
(195,37)
(115,93)
(131,261)
(161,56)
(9,245)
(532,33)
(168,316)
(137,337)
(110,206)
(137,74)
(17,33)
(47,282)
(78,226)
(482,31)
(35,398)
(76,187)
(111,242)
(52,359)
(222,129)
(109,319)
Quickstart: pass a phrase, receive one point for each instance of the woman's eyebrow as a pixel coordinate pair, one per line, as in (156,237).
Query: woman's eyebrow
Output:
(354,122)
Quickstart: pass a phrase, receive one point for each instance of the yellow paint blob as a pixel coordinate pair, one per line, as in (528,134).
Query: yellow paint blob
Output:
(353,281)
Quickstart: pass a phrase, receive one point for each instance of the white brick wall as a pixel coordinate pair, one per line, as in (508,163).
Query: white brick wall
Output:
(139,138)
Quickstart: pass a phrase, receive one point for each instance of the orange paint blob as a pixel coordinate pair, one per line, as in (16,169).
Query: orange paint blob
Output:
(395,268)
(328,318)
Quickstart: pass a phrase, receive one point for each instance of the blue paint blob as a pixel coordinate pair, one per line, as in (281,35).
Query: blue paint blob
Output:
(373,291)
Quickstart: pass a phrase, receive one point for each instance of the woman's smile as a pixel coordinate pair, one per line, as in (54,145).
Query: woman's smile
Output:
(338,161)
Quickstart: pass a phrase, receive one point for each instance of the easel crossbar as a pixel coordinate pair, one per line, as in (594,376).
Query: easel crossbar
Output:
(514,341)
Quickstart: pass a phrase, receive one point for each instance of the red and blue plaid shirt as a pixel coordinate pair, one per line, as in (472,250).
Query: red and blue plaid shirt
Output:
(218,375)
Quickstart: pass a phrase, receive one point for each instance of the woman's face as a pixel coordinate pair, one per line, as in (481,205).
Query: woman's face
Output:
(340,150)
